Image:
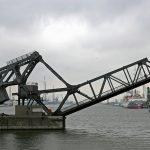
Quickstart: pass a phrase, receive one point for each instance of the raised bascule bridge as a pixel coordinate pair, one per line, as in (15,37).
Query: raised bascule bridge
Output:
(83,95)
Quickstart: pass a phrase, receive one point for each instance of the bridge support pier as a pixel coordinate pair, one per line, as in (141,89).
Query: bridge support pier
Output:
(25,119)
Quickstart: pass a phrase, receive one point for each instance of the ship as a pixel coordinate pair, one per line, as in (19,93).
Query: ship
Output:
(134,100)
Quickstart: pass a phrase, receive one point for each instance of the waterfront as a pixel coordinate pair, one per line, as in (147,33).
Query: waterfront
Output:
(100,127)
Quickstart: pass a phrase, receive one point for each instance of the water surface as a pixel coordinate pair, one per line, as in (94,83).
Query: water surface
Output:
(100,127)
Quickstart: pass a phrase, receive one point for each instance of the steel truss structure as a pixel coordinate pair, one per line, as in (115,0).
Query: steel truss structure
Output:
(108,85)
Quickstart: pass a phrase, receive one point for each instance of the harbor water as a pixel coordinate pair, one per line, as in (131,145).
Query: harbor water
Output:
(100,127)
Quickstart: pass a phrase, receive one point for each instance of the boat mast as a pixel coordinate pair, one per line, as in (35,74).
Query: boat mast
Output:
(53,98)
(45,95)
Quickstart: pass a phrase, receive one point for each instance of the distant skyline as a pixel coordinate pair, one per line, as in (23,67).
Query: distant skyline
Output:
(79,39)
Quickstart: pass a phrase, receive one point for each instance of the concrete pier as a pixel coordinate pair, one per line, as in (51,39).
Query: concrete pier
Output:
(46,122)
(24,118)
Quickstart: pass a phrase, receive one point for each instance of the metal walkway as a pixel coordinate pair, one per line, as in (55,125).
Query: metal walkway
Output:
(84,95)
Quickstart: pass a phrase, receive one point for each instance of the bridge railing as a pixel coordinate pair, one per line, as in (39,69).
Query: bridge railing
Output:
(19,58)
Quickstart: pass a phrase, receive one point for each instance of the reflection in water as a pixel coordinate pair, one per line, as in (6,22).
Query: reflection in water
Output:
(100,127)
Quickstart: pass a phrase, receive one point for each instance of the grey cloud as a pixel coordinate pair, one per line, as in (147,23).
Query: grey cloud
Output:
(118,33)
(21,14)
(134,34)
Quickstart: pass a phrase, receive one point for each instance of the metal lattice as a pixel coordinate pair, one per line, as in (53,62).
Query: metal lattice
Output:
(126,81)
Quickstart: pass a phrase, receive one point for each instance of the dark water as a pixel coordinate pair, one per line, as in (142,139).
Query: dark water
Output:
(100,127)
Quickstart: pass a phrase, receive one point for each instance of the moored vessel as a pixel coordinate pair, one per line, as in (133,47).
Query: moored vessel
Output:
(134,100)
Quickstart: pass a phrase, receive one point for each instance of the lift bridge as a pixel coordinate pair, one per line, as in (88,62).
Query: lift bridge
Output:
(99,89)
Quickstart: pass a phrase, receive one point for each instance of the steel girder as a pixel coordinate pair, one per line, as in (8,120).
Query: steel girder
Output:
(125,82)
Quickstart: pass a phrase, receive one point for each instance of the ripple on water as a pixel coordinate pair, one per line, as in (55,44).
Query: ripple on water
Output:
(100,127)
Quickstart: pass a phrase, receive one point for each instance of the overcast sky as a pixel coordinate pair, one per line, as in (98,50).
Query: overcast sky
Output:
(80,39)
